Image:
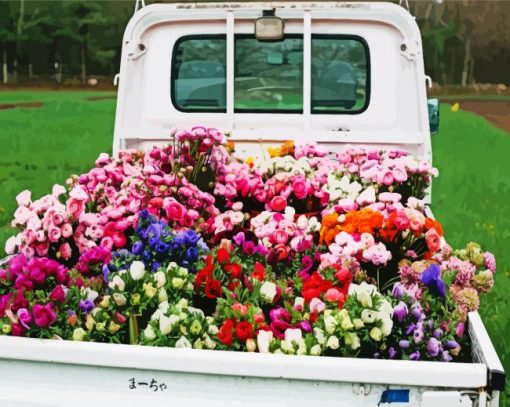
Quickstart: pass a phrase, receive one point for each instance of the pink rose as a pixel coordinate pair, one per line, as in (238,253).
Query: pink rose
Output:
(75,207)
(65,251)
(400,174)
(54,234)
(44,315)
(387,178)
(278,204)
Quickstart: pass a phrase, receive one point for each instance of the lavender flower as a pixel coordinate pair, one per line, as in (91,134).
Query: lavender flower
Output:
(400,312)
(415,355)
(392,353)
(404,344)
(446,357)
(438,333)
(86,306)
(398,291)
(433,347)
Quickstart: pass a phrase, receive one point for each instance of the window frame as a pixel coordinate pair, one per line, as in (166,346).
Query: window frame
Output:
(173,73)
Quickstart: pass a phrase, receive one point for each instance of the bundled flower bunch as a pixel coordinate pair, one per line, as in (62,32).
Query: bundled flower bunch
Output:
(305,253)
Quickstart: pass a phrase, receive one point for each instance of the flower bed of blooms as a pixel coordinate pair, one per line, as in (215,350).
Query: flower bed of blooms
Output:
(187,246)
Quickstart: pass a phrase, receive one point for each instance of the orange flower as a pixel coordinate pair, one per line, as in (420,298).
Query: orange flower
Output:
(433,224)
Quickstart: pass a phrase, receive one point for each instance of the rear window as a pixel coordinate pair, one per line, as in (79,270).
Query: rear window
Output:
(268,76)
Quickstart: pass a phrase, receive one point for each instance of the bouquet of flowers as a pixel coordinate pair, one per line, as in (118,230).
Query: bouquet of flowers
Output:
(188,246)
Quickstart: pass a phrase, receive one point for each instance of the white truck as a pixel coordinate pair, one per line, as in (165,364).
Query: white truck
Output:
(335,73)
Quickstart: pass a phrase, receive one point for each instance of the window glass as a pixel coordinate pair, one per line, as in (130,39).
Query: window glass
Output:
(268,76)
(340,74)
(199,74)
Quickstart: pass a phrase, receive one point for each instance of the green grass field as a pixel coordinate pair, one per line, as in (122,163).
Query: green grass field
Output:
(471,197)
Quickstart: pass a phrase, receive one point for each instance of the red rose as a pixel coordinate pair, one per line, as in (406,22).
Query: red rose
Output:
(223,256)
(244,331)
(225,333)
(233,269)
(213,289)
(259,272)
(58,294)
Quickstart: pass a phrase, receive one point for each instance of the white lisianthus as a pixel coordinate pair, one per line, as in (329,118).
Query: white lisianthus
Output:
(293,335)
(163,306)
(117,283)
(330,324)
(365,299)
(315,350)
(376,334)
(319,335)
(177,282)
(212,330)
(149,289)
(182,304)
(209,343)
(264,339)
(137,270)
(358,323)
(251,345)
(182,272)
(166,323)
(162,295)
(119,299)
(160,278)
(287,347)
(333,343)
(183,343)
(351,339)
(347,323)
(79,334)
(195,327)
(198,344)
(149,333)
(268,291)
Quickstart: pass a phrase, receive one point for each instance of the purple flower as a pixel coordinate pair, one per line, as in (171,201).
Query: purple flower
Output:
(452,344)
(417,312)
(446,357)
(279,328)
(433,347)
(410,328)
(438,333)
(86,306)
(459,330)
(398,291)
(392,353)
(418,335)
(137,248)
(280,314)
(400,312)
(305,326)
(431,277)
(239,238)
(404,344)
(106,273)
(415,355)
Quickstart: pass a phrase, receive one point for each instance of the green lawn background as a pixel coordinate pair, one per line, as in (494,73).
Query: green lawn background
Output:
(471,197)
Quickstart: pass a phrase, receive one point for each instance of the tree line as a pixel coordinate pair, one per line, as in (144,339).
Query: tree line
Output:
(465,42)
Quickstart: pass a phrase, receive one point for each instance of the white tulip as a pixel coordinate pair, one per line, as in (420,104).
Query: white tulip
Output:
(268,291)
(264,339)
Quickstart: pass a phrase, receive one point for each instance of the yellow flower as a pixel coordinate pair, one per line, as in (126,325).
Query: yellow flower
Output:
(455,107)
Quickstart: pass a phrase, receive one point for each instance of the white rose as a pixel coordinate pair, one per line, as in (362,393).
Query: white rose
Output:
(137,270)
(333,343)
(149,333)
(264,339)
(268,291)
(183,343)
(160,278)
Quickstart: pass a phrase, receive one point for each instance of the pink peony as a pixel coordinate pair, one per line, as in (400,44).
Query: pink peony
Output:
(75,207)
